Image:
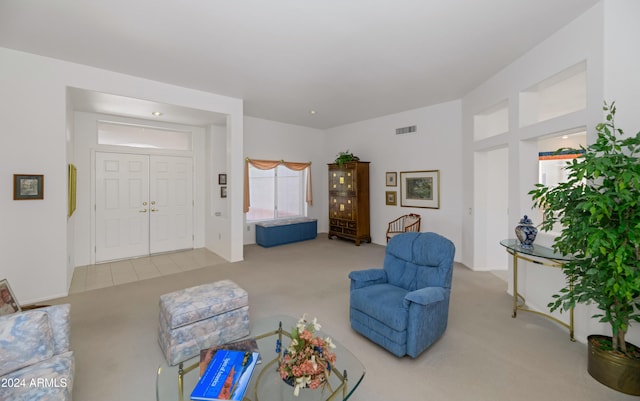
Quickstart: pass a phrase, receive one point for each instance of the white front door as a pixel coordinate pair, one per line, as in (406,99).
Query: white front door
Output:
(144,205)
(171,203)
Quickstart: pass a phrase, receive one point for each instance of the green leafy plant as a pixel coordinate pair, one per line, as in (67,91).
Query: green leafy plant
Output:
(598,208)
(345,157)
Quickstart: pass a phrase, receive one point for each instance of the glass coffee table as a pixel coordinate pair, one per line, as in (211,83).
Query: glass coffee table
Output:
(175,383)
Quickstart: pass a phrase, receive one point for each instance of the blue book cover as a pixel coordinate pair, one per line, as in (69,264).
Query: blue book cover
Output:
(226,377)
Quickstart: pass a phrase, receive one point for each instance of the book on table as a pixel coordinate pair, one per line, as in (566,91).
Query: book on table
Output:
(206,355)
(227,376)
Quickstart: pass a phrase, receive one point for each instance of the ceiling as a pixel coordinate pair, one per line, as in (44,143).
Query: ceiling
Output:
(349,60)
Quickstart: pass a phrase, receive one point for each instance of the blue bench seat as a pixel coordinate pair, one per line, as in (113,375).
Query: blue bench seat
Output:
(285,231)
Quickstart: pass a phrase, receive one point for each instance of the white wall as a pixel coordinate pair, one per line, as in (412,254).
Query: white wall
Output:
(622,85)
(217,209)
(605,32)
(35,252)
(435,146)
(270,140)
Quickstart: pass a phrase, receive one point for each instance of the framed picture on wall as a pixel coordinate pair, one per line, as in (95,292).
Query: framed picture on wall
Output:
(222,179)
(391,198)
(73,177)
(28,186)
(420,189)
(392,179)
(8,302)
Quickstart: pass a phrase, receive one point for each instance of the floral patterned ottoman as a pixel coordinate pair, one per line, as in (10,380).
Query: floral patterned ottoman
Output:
(200,317)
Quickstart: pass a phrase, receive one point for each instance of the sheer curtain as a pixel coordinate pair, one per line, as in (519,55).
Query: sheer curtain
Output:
(271,164)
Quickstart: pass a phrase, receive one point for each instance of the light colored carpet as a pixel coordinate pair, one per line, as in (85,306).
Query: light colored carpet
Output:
(483,355)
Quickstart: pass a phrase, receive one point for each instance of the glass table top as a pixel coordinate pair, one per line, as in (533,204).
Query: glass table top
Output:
(537,250)
(267,385)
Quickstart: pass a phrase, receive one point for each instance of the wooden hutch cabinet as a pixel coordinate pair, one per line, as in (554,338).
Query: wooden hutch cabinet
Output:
(349,201)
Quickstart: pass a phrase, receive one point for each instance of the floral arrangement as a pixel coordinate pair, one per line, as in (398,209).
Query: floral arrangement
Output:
(308,359)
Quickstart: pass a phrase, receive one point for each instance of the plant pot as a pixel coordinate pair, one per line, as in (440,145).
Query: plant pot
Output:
(613,369)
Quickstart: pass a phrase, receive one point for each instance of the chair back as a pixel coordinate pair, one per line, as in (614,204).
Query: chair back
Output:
(412,222)
(417,260)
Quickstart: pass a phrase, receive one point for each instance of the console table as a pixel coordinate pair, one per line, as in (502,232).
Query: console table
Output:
(543,256)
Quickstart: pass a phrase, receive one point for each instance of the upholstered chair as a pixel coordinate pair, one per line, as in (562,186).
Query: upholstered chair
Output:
(404,306)
(403,224)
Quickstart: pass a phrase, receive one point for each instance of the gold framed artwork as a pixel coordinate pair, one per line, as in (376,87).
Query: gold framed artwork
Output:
(391,179)
(28,186)
(420,189)
(391,198)
(8,302)
(73,179)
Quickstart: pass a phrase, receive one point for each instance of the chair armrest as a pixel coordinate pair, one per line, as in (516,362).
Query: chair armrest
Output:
(365,278)
(425,296)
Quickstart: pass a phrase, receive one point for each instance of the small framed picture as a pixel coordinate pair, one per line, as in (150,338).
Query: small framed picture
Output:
(420,189)
(28,186)
(222,179)
(392,179)
(391,198)
(223,192)
(8,302)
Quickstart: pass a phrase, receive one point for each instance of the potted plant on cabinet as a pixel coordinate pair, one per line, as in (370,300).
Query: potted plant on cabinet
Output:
(345,157)
(598,208)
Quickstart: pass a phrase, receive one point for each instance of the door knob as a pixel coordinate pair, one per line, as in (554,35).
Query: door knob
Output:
(144,203)
(143,211)
(154,210)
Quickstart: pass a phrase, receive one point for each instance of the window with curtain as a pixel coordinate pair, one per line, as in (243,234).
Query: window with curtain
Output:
(276,193)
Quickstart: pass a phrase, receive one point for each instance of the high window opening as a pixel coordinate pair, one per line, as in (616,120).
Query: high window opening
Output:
(558,95)
(551,163)
(139,136)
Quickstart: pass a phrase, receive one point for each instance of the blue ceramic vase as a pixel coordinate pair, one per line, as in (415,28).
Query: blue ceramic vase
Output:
(526,233)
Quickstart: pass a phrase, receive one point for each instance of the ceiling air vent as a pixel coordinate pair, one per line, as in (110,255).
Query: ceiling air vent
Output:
(406,130)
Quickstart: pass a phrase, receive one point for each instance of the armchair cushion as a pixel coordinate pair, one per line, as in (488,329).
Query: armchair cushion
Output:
(383,302)
(59,318)
(58,371)
(25,339)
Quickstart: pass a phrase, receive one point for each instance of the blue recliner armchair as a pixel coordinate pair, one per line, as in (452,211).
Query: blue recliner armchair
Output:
(404,307)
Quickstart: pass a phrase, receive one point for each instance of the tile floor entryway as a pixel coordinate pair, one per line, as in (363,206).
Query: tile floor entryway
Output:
(102,275)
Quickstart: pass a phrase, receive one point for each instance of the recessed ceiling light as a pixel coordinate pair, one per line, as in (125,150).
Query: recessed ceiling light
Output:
(312,112)
(565,136)
(157,113)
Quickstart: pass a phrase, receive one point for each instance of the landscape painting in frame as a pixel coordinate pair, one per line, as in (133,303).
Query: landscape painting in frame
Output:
(28,186)
(420,189)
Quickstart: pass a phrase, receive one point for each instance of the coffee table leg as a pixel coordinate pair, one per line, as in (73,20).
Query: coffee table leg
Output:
(180,382)
(344,388)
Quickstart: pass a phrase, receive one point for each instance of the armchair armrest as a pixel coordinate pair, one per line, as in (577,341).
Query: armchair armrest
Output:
(365,278)
(425,296)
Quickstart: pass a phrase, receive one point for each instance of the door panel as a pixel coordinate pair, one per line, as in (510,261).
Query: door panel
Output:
(122,219)
(171,194)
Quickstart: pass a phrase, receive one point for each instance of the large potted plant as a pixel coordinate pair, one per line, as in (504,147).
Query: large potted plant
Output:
(598,208)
